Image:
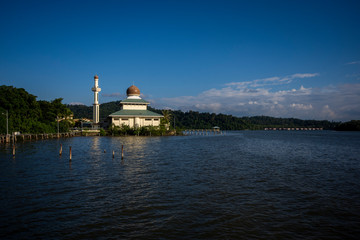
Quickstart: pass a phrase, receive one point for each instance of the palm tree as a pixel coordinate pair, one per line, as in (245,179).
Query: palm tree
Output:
(166,119)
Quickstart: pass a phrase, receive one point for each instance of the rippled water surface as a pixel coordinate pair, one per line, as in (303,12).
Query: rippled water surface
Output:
(242,185)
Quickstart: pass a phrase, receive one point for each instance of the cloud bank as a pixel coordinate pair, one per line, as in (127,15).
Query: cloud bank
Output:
(252,98)
(352,63)
(76,103)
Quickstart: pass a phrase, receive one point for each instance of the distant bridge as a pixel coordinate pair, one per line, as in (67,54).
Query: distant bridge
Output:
(294,129)
(212,131)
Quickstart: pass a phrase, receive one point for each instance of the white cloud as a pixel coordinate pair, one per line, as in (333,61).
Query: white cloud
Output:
(304,75)
(76,103)
(300,106)
(326,111)
(330,102)
(352,63)
(272,80)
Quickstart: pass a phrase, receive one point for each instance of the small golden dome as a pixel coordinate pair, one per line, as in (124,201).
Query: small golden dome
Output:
(133,91)
(96,77)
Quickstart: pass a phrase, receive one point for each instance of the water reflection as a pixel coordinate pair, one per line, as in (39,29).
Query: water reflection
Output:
(137,172)
(95,144)
(256,185)
(134,147)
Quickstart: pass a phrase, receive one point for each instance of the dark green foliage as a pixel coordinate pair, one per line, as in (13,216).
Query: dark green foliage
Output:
(26,115)
(143,131)
(153,131)
(82,111)
(196,120)
(108,108)
(102,132)
(353,125)
(120,130)
(260,122)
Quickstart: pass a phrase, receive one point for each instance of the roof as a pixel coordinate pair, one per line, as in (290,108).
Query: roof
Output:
(134,101)
(133,91)
(136,113)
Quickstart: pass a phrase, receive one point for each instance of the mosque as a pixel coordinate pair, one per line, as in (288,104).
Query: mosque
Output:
(133,110)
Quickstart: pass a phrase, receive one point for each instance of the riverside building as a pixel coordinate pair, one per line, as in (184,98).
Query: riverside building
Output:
(133,111)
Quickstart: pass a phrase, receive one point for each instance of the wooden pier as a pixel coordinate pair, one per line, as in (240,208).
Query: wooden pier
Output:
(31,137)
(293,129)
(203,132)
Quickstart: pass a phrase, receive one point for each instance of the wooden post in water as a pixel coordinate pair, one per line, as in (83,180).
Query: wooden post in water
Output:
(122,152)
(113,154)
(60,152)
(13,150)
(70,153)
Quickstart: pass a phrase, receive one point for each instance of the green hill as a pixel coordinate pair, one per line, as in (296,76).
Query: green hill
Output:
(197,120)
(27,115)
(353,125)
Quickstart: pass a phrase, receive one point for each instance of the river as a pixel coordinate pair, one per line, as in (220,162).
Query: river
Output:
(240,185)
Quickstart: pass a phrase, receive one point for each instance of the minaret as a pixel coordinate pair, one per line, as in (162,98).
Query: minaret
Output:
(96,91)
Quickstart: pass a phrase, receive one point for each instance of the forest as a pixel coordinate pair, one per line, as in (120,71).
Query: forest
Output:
(197,120)
(353,125)
(27,115)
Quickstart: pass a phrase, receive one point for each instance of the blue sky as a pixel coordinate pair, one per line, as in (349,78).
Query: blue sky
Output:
(277,58)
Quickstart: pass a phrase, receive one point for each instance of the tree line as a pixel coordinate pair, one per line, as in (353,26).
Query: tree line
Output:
(353,125)
(197,120)
(27,115)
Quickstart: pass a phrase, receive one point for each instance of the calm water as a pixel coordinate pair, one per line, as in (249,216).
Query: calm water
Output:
(242,185)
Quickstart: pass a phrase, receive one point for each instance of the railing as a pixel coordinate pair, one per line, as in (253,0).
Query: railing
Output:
(30,137)
(294,129)
(203,132)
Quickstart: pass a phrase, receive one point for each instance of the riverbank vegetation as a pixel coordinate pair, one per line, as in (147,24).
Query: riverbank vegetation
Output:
(27,115)
(197,120)
(353,125)
(125,130)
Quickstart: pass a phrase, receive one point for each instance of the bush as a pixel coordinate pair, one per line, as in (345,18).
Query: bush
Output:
(143,131)
(102,132)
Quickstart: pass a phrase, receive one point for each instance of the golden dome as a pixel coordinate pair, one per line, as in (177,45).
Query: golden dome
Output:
(96,77)
(133,91)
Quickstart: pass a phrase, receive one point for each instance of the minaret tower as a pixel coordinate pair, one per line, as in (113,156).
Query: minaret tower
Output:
(96,91)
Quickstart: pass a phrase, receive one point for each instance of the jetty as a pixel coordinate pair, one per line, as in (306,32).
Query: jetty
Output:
(11,138)
(293,129)
(212,131)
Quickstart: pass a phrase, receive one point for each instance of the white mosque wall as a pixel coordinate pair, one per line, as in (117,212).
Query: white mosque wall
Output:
(134,107)
(136,121)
